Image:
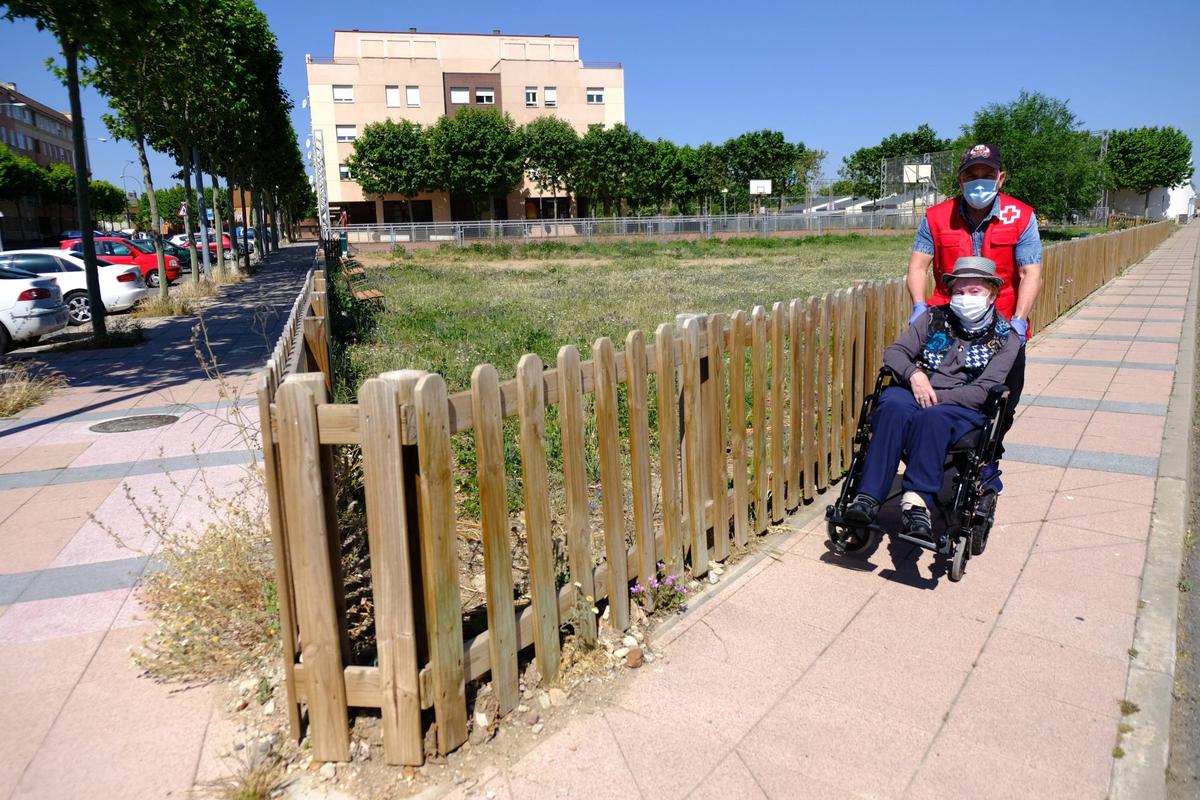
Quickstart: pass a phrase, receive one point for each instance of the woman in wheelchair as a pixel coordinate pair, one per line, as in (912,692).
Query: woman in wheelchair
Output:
(946,367)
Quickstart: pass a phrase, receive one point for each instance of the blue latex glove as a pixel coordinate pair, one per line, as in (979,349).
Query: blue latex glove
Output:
(918,310)
(1020,326)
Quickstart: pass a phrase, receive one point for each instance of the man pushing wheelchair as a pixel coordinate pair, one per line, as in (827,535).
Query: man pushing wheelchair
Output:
(940,396)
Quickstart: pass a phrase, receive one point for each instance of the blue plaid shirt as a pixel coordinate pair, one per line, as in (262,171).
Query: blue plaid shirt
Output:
(1029,245)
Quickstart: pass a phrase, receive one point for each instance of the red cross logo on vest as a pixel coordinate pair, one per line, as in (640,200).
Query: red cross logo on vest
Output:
(1009,214)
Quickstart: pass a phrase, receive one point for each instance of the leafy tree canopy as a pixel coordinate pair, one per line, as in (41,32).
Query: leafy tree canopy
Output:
(476,152)
(862,167)
(1144,159)
(391,158)
(19,175)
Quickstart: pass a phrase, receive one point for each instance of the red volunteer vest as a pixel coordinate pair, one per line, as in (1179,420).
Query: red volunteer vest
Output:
(952,240)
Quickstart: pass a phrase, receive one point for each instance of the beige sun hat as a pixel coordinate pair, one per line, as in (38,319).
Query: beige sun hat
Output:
(973,267)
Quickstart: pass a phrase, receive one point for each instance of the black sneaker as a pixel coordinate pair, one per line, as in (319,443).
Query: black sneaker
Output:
(917,523)
(862,509)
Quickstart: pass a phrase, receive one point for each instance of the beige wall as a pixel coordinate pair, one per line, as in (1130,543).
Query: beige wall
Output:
(371,61)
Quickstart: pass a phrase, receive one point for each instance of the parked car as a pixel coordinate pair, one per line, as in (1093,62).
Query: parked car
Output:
(179,240)
(122,251)
(121,285)
(78,235)
(252,233)
(180,253)
(31,306)
(226,245)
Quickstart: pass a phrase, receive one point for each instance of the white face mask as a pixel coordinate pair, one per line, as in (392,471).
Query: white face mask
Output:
(970,308)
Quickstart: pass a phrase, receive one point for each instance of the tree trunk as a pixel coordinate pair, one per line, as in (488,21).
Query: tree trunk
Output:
(245,229)
(233,249)
(217,223)
(1146,206)
(155,219)
(274,211)
(202,216)
(187,217)
(82,200)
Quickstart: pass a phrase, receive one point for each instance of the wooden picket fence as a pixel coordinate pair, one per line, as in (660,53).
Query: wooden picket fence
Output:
(755,415)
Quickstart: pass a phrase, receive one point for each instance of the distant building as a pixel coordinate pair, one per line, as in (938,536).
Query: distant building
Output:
(30,128)
(1164,203)
(375,75)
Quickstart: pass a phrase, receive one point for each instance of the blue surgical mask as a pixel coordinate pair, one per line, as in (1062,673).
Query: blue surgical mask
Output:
(980,193)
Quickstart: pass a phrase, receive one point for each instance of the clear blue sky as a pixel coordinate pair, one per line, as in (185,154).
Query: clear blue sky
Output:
(836,76)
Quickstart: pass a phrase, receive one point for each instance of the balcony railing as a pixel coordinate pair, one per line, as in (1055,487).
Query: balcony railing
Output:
(602,65)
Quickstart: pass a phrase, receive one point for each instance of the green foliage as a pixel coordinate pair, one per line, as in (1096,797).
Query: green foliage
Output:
(58,184)
(551,148)
(1144,159)
(1051,161)
(391,158)
(476,152)
(19,175)
(613,164)
(108,201)
(762,155)
(862,167)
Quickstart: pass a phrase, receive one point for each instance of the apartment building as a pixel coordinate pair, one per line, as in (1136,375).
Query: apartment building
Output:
(376,75)
(32,129)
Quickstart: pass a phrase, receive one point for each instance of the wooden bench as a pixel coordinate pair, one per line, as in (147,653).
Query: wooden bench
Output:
(352,268)
(362,295)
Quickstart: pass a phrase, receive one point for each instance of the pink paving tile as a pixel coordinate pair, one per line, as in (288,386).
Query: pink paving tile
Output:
(1093,483)
(1153,352)
(1160,329)
(1067,506)
(779,645)
(1125,393)
(866,675)
(1021,501)
(1111,328)
(13,499)
(837,743)
(50,456)
(1046,432)
(782,783)
(64,616)
(1068,620)
(154,755)
(46,665)
(1068,388)
(1131,522)
(1076,416)
(960,767)
(1131,445)
(1035,730)
(664,766)
(1109,423)
(824,594)
(582,759)
(666,690)
(731,778)
(28,715)
(1072,676)
(1059,544)
(902,625)
(29,546)
(1106,589)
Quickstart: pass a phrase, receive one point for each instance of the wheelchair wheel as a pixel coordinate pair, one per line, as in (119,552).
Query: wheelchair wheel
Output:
(857,542)
(985,513)
(958,558)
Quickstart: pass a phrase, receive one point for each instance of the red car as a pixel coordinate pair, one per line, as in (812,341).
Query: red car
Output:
(226,245)
(119,251)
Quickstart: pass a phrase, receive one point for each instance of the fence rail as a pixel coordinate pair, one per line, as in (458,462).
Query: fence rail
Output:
(755,412)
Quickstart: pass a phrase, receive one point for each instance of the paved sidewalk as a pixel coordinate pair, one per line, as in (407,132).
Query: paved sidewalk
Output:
(815,676)
(77,720)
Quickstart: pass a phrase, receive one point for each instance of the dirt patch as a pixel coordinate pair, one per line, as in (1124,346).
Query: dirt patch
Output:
(724,262)
(534,264)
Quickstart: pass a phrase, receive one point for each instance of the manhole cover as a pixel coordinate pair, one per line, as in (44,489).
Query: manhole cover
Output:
(127,424)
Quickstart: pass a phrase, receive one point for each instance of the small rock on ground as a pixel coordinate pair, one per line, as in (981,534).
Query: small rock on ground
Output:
(634,658)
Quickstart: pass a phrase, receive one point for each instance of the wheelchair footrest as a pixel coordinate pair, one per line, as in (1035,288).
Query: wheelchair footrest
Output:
(922,542)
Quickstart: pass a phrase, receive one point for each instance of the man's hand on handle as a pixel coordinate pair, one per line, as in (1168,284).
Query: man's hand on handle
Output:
(918,310)
(1020,326)
(922,390)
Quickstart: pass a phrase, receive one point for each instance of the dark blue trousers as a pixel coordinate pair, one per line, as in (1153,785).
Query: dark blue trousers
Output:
(921,435)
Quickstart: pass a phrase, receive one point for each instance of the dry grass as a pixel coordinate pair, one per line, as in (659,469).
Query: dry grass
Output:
(183,296)
(173,305)
(257,777)
(23,385)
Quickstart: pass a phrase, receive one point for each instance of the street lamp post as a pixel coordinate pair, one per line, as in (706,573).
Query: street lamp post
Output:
(724,202)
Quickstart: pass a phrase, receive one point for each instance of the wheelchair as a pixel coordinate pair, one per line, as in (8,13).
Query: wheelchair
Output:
(968,514)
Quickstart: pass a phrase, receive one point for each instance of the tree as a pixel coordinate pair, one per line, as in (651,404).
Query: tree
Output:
(1051,162)
(612,164)
(862,167)
(762,155)
(108,200)
(19,175)
(1145,159)
(476,152)
(551,148)
(391,158)
(58,187)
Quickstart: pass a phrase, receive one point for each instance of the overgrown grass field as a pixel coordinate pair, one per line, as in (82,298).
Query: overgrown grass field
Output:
(447,310)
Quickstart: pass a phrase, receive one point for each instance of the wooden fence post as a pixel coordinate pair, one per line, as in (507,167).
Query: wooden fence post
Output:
(668,448)
(316,577)
(578,526)
(714,424)
(493,521)
(693,447)
(808,409)
(794,492)
(439,561)
(758,416)
(612,506)
(824,419)
(391,512)
(637,393)
(737,427)
(778,326)
(531,405)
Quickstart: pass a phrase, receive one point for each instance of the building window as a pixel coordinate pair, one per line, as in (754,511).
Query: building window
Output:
(393,96)
(531,97)
(343,94)
(346,133)
(485,96)
(551,97)
(344,172)
(412,96)
(595,96)
(460,95)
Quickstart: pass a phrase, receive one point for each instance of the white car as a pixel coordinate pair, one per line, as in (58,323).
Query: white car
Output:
(30,307)
(121,285)
(179,240)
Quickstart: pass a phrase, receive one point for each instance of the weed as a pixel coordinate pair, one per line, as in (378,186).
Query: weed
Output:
(23,385)
(1133,652)
(173,305)
(1185,584)
(1129,707)
(258,776)
(663,593)
(1124,728)
(1118,752)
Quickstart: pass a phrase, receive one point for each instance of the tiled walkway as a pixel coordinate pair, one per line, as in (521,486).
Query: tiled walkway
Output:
(76,721)
(815,676)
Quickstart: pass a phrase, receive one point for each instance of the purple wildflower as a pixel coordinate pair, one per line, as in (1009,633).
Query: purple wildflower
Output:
(654,583)
(637,588)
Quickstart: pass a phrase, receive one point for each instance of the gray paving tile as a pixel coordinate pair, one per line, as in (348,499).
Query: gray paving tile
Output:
(1090,362)
(150,466)
(1114,337)
(116,413)
(100,576)
(1081,459)
(13,585)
